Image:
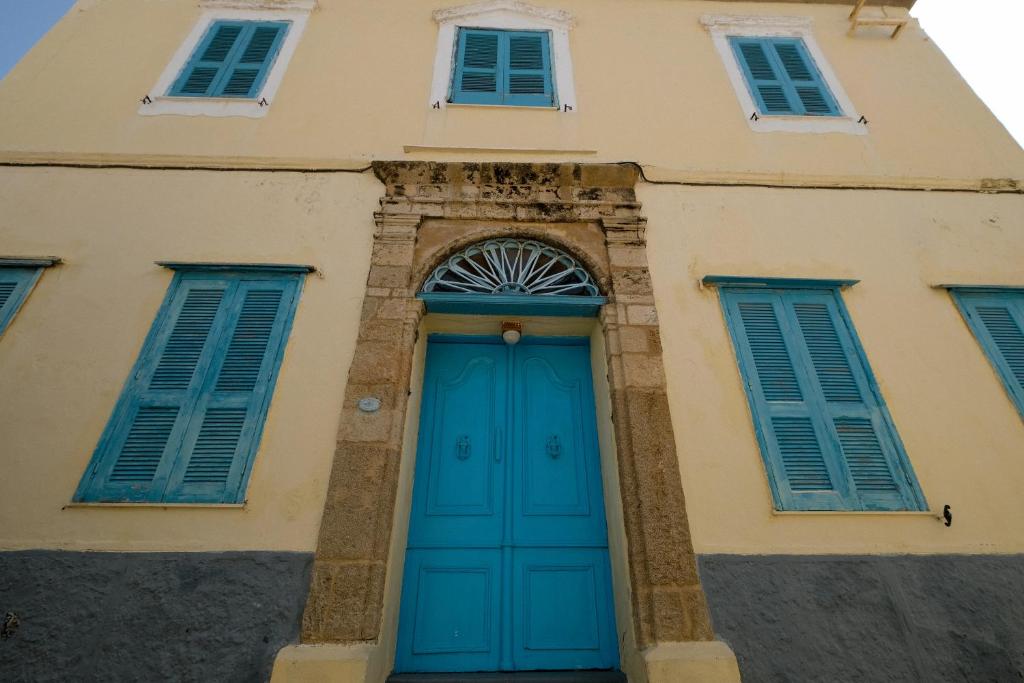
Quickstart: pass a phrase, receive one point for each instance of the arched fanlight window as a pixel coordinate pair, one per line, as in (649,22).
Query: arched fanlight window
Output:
(511,266)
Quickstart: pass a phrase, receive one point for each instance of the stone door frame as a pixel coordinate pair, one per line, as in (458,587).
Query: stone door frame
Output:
(429,211)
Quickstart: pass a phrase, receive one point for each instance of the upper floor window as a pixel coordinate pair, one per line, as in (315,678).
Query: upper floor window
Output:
(233,60)
(503,52)
(503,67)
(826,436)
(780,75)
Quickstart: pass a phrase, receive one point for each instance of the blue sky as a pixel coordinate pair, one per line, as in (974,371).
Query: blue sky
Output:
(979,37)
(24,23)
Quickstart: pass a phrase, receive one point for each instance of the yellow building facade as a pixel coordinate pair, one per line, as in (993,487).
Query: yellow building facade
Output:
(654,159)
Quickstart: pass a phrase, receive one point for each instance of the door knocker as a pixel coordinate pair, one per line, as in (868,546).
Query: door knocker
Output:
(462,447)
(554,448)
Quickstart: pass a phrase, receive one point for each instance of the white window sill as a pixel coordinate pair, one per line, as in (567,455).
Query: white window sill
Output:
(204,106)
(519,107)
(857,513)
(165,506)
(767,123)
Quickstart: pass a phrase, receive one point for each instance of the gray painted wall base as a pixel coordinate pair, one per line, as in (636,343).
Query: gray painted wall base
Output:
(870,618)
(149,616)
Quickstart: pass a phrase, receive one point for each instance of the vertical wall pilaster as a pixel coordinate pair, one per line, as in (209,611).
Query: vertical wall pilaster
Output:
(347,588)
(668,601)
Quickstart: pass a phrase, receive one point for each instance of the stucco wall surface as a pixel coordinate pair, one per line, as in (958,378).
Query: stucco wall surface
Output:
(962,434)
(873,619)
(65,357)
(149,616)
(650,87)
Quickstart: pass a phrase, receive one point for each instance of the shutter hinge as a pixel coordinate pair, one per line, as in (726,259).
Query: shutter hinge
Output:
(947,514)
(566,108)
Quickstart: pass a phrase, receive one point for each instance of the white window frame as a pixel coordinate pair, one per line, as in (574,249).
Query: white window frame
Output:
(511,15)
(296,12)
(722,27)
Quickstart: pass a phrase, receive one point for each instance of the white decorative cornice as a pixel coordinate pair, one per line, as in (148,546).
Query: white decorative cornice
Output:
(750,21)
(287,5)
(555,16)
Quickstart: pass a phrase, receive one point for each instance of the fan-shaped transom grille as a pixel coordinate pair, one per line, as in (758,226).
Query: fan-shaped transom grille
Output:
(511,266)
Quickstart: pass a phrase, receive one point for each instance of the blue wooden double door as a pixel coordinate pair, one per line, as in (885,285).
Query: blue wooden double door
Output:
(507,561)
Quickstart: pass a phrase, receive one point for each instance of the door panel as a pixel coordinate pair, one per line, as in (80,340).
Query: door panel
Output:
(557,472)
(457,496)
(507,559)
(450,608)
(562,609)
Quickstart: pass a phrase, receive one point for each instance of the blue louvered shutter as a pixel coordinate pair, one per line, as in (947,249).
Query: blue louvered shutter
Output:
(782,77)
(827,442)
(226,424)
(997,320)
(15,284)
(232,60)
(477,79)
(528,69)
(190,416)
(503,67)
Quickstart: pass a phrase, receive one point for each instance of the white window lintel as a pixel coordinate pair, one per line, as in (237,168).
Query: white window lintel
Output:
(513,15)
(295,12)
(723,26)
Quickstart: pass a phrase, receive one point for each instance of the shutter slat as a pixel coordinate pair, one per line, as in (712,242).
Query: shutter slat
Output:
(1007,335)
(6,290)
(802,456)
(223,40)
(757,61)
(214,452)
(191,330)
(864,455)
(830,362)
(249,342)
(793,62)
(774,366)
(144,447)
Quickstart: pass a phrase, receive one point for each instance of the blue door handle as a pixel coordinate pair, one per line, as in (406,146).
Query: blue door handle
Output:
(554,447)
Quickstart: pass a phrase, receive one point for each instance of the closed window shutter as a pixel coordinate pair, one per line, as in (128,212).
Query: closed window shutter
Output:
(247,74)
(190,417)
(215,456)
(528,75)
(135,462)
(783,78)
(827,443)
(997,320)
(476,75)
(15,284)
(503,67)
(232,60)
